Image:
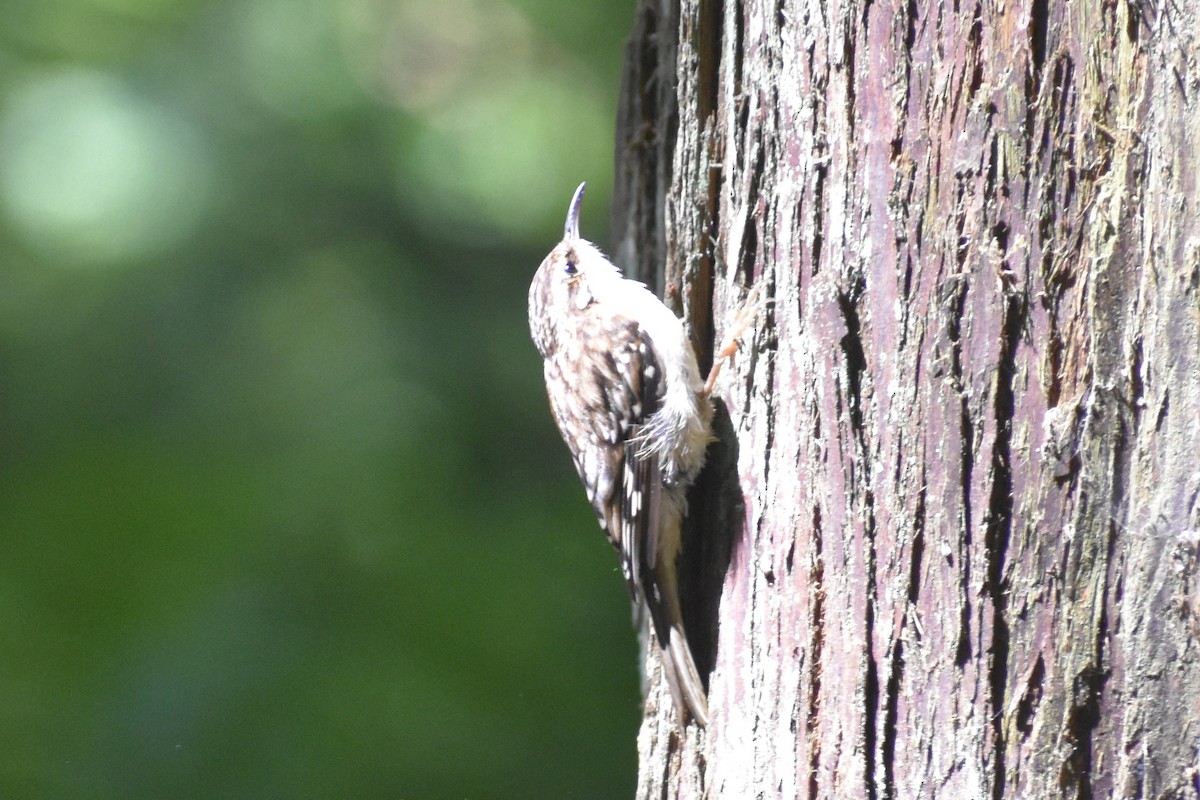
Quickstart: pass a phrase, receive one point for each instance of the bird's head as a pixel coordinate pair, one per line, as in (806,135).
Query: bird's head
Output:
(569,280)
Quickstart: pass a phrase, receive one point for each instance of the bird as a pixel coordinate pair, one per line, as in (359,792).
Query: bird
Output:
(626,394)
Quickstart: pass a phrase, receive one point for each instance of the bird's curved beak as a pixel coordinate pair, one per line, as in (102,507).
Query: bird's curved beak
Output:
(571,229)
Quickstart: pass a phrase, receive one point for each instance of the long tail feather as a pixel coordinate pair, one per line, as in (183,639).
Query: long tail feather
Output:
(683,679)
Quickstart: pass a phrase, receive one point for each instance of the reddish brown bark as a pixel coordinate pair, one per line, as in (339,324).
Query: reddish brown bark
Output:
(948,545)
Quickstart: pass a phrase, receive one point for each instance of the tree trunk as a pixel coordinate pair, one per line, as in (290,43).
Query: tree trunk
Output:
(948,543)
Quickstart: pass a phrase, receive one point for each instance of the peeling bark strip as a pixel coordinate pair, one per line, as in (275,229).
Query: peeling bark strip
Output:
(949,544)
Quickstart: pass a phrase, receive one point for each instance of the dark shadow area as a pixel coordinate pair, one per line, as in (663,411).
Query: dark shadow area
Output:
(716,508)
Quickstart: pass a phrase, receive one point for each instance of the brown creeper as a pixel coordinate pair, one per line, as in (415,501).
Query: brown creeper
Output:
(628,399)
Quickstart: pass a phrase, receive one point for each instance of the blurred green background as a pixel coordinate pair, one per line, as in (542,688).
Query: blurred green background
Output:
(282,509)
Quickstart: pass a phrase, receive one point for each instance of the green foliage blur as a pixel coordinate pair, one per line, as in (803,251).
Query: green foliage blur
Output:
(282,510)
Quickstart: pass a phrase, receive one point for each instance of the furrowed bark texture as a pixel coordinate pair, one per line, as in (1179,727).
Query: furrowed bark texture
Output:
(948,543)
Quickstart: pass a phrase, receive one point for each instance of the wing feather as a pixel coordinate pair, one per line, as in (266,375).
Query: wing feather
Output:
(603,388)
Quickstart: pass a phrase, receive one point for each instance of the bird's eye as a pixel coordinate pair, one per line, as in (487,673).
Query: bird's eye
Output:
(571,268)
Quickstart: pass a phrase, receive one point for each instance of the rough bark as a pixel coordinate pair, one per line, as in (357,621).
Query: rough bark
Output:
(948,543)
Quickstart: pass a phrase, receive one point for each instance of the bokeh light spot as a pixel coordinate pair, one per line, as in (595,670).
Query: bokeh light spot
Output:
(94,174)
(292,59)
(506,155)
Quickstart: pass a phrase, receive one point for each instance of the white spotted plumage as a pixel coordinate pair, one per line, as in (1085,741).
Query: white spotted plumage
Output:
(627,396)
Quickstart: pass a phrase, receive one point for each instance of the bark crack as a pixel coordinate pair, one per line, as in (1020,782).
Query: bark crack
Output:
(956,303)
(816,646)
(999,524)
(856,367)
